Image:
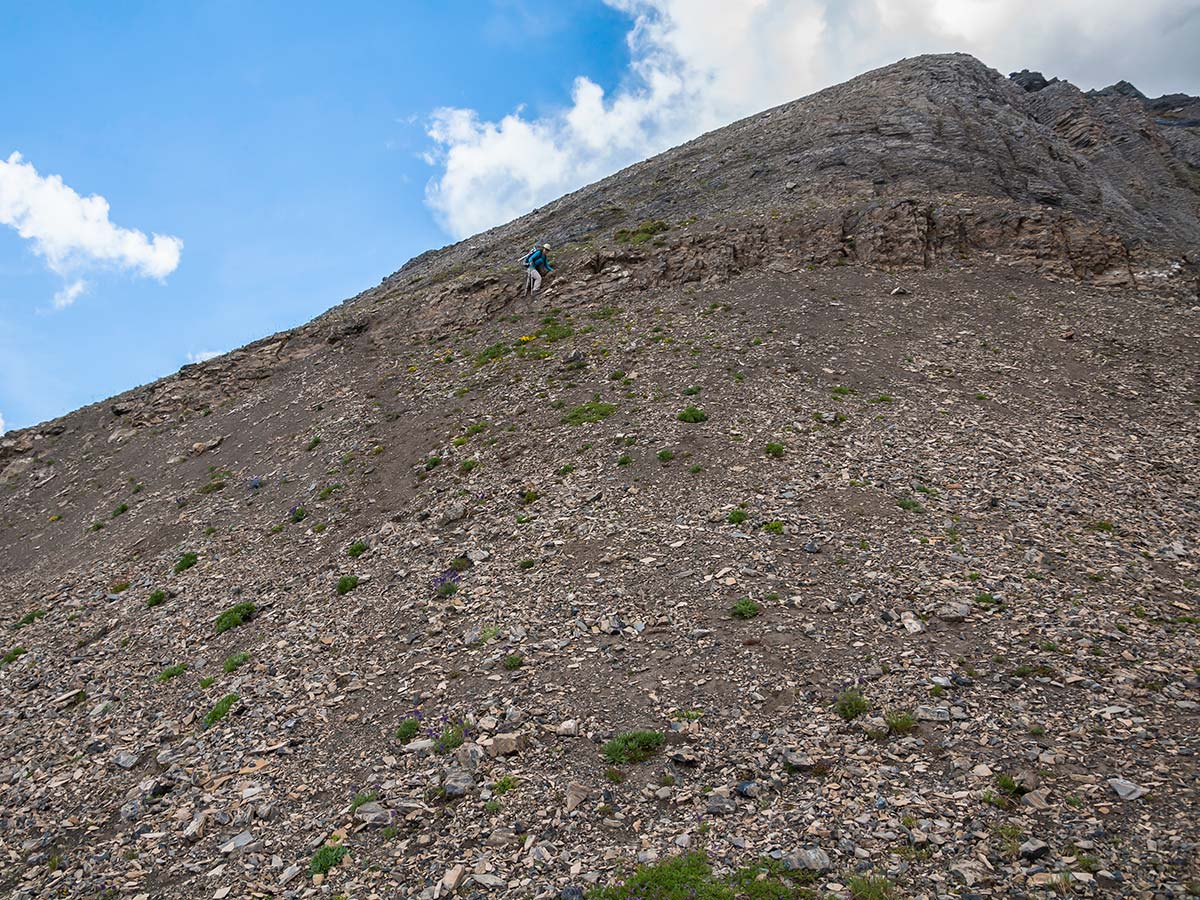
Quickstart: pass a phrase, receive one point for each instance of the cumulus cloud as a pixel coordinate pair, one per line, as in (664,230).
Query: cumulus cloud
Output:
(203,356)
(699,64)
(73,233)
(2,429)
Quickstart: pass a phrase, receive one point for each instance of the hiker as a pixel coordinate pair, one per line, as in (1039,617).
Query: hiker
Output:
(537,264)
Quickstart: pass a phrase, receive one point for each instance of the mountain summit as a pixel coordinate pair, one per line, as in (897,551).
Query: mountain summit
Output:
(828,526)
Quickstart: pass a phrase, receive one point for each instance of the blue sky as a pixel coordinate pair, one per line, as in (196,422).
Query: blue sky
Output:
(281,145)
(302,151)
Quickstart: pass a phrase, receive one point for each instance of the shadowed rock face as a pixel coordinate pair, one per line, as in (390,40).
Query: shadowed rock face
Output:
(392,580)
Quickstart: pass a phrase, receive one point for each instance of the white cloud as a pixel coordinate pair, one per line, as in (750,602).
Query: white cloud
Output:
(69,294)
(204,356)
(73,233)
(698,64)
(1,423)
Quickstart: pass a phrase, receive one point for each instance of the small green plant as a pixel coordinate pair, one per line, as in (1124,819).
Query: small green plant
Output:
(1103,526)
(513,661)
(588,413)
(171,672)
(235,662)
(357,549)
(692,415)
(738,516)
(871,887)
(312,445)
(407,730)
(236,615)
(776,450)
(299,514)
(850,704)
(493,806)
(13,655)
(899,721)
(695,469)
(909,504)
(505,784)
(642,233)
(633,746)
(221,710)
(447,589)
(665,456)
(745,609)
(185,562)
(97,526)
(566,470)
(1009,785)
(527,563)
(624,459)
(614,775)
(118,587)
(773,527)
(121,509)
(362,798)
(29,618)
(467,466)
(346,584)
(451,738)
(208,681)
(326,858)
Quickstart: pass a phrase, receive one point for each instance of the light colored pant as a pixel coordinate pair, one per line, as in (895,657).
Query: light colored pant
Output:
(537,279)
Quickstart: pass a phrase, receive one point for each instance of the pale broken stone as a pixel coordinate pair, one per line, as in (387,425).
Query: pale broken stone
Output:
(576,794)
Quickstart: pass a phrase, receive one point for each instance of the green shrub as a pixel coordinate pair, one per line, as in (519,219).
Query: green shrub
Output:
(665,456)
(362,798)
(527,563)
(871,887)
(513,661)
(738,516)
(346,584)
(171,672)
(909,504)
(899,722)
(588,413)
(633,746)
(467,466)
(29,618)
(325,859)
(299,514)
(235,662)
(120,510)
(496,351)
(686,877)
(775,450)
(185,562)
(407,730)
(221,710)
(447,589)
(745,609)
(451,738)
(642,233)
(692,415)
(312,445)
(13,655)
(236,615)
(624,459)
(773,527)
(504,785)
(208,681)
(850,704)
(118,587)
(357,549)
